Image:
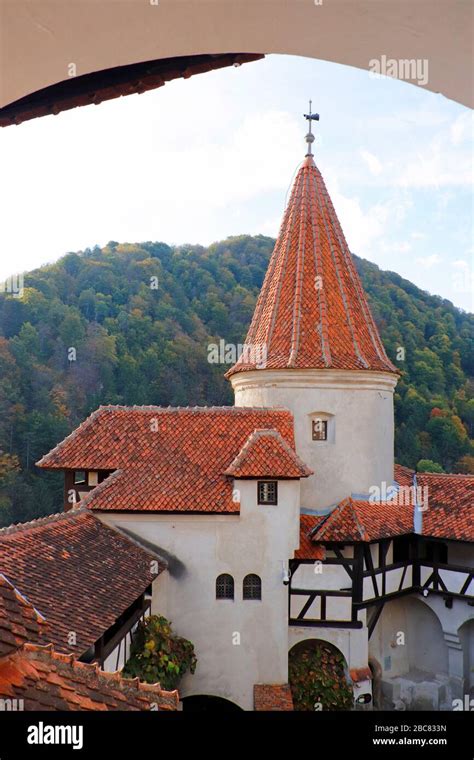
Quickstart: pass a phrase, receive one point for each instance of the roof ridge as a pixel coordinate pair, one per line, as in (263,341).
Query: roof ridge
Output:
(114,676)
(170,409)
(357,520)
(24,600)
(40,521)
(257,434)
(71,435)
(327,519)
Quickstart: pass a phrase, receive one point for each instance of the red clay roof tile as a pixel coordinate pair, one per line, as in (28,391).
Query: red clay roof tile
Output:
(19,621)
(47,680)
(449,512)
(266,454)
(79,573)
(312,312)
(167,460)
(309,549)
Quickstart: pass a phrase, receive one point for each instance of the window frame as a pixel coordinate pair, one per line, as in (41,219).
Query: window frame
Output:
(250,578)
(260,500)
(77,481)
(229,580)
(324,423)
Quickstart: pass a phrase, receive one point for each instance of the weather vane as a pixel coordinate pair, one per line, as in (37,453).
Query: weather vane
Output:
(310,137)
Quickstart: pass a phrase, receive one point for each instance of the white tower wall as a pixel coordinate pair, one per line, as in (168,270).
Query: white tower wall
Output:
(358,407)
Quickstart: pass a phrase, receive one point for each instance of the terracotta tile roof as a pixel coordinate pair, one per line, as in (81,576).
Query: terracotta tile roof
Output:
(272,696)
(266,454)
(309,549)
(19,621)
(449,513)
(360,674)
(312,312)
(79,574)
(364,520)
(47,680)
(403,475)
(167,460)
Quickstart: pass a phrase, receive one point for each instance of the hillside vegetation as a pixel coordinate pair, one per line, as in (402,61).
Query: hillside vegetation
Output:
(131,324)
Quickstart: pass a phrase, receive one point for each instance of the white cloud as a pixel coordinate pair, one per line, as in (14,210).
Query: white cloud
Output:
(461,128)
(429,261)
(375,166)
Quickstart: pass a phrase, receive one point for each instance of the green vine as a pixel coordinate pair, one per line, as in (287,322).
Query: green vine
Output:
(317,679)
(159,656)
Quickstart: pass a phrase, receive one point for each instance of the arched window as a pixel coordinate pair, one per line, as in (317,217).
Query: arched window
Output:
(224,586)
(252,587)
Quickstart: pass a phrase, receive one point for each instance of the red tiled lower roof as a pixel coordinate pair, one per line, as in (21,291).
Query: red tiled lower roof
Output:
(272,697)
(267,454)
(364,520)
(47,680)
(19,621)
(449,511)
(450,502)
(309,549)
(80,574)
(171,460)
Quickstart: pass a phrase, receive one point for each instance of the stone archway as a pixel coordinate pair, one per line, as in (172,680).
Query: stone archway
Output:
(208,703)
(345,32)
(409,644)
(319,677)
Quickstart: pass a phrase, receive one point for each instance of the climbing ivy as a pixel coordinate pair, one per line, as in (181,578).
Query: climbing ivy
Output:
(317,679)
(158,655)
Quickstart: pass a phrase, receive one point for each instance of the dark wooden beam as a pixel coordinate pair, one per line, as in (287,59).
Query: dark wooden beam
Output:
(375,618)
(327,623)
(112,83)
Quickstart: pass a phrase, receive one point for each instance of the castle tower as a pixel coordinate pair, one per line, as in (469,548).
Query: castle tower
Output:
(313,348)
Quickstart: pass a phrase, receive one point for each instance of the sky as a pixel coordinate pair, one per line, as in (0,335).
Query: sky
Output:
(201,159)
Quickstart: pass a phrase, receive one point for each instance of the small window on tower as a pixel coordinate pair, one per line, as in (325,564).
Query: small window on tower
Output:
(320,430)
(267,492)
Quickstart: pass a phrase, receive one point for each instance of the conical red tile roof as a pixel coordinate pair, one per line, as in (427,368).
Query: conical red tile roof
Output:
(312,312)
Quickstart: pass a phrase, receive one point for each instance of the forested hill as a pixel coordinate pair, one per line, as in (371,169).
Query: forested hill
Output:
(131,324)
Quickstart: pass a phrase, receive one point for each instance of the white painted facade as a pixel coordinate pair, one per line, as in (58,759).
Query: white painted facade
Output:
(238,642)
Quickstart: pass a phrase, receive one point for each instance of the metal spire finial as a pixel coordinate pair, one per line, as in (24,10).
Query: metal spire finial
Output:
(310,137)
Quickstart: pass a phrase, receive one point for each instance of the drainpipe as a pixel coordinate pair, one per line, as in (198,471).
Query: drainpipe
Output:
(417,514)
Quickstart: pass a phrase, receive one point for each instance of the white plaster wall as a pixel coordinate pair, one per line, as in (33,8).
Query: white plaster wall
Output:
(259,541)
(361,455)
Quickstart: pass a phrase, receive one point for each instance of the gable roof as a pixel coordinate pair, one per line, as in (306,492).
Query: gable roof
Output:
(363,520)
(19,621)
(48,680)
(312,312)
(79,574)
(167,460)
(267,454)
(449,513)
